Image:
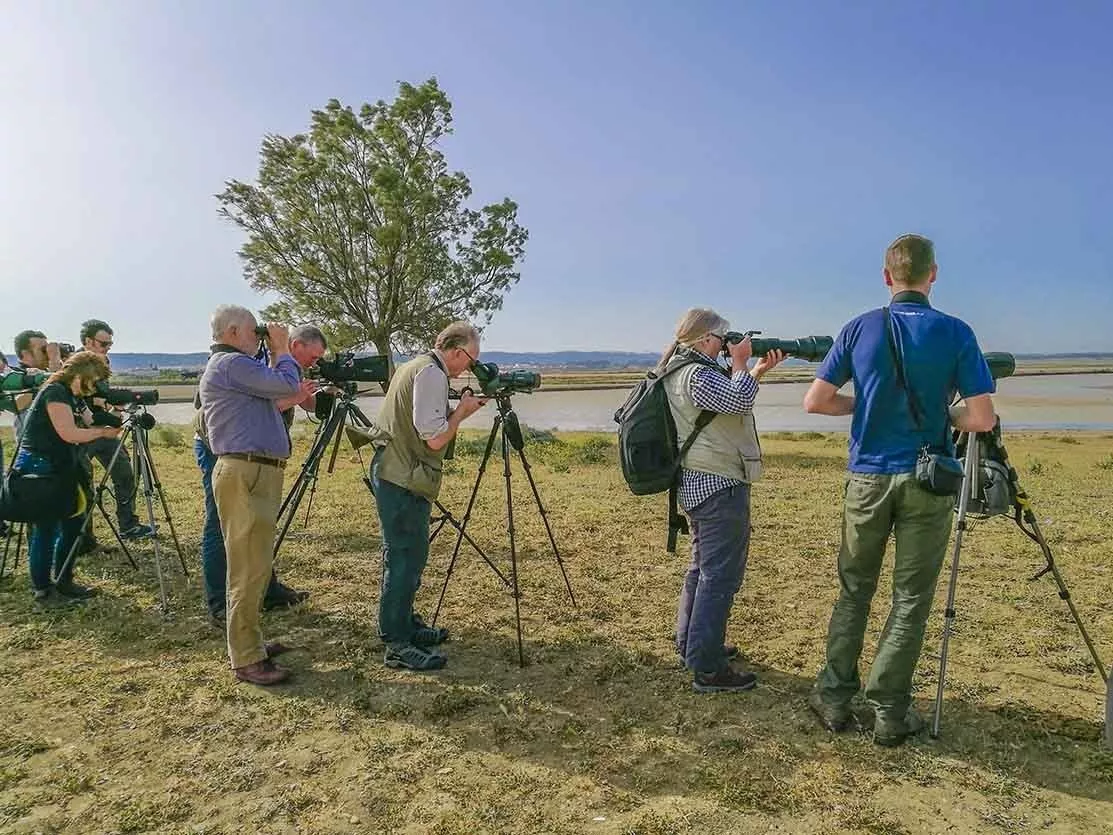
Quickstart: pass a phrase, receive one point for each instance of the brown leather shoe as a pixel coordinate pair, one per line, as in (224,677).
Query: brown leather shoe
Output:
(264,673)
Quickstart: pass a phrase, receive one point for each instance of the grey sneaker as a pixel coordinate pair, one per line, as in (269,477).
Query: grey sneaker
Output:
(412,657)
(893,732)
(835,718)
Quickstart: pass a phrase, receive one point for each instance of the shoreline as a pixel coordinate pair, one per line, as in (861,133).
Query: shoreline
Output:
(175,393)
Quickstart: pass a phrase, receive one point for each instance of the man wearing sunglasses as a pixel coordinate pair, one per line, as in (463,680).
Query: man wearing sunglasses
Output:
(411,434)
(96,337)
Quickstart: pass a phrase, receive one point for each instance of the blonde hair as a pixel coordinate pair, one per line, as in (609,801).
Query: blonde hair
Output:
(693,326)
(85,365)
(456,335)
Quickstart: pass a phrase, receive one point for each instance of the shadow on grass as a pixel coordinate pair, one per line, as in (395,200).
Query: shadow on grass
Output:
(582,705)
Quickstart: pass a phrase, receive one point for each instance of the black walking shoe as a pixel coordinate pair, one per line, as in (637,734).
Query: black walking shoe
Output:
(411,657)
(70,589)
(48,598)
(138,531)
(283,597)
(725,680)
(426,635)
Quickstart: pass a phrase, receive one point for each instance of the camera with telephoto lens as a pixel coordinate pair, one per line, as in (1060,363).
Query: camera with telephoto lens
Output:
(125,397)
(349,367)
(494,383)
(810,348)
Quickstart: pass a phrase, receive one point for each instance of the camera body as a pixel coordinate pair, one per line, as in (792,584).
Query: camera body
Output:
(65,349)
(349,367)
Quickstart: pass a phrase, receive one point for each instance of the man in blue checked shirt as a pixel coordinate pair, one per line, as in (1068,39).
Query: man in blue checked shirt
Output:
(715,477)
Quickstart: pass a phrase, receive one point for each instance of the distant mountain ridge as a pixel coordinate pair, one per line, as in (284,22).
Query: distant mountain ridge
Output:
(572,360)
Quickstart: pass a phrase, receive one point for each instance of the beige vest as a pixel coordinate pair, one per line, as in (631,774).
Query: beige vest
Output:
(407,460)
(728,446)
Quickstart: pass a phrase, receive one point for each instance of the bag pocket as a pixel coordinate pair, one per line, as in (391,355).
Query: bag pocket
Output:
(939,474)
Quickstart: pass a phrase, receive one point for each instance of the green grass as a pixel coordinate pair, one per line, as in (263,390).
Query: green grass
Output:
(116,719)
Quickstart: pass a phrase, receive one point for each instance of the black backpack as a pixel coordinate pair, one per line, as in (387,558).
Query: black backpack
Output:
(647,445)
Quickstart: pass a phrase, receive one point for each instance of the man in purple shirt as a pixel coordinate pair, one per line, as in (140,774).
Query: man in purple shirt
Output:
(239,397)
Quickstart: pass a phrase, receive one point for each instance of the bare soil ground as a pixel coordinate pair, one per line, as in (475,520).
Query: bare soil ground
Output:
(114,719)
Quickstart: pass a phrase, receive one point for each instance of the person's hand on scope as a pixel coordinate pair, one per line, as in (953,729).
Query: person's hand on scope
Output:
(770,361)
(740,353)
(469,403)
(278,337)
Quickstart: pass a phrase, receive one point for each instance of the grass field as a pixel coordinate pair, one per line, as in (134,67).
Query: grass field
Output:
(114,719)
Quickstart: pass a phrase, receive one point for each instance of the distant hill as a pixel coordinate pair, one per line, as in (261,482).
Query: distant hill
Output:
(554,360)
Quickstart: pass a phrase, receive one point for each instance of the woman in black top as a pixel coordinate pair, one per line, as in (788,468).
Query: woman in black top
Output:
(51,430)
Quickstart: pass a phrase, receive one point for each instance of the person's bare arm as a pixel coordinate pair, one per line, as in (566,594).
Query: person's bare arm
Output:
(61,418)
(824,399)
(975,414)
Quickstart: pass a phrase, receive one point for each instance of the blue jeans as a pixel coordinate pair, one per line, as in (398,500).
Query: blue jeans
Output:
(720,544)
(404,517)
(49,543)
(214,559)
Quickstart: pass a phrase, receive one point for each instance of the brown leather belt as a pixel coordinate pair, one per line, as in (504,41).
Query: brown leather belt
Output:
(256,459)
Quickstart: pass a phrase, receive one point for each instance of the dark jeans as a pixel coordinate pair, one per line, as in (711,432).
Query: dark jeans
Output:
(214,559)
(404,518)
(49,542)
(123,478)
(720,528)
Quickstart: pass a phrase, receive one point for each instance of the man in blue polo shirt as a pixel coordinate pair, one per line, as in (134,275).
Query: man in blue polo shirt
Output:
(941,357)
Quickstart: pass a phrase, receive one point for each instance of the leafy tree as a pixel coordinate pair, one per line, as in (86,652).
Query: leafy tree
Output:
(359,226)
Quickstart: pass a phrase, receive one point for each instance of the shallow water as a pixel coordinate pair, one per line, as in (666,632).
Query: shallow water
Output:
(1069,401)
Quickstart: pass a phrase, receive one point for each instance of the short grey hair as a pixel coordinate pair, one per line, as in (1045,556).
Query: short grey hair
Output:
(227,315)
(456,335)
(308,333)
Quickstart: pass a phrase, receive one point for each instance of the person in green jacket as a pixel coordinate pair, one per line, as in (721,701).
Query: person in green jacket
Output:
(412,432)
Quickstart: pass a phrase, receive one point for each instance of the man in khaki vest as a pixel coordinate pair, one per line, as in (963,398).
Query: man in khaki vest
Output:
(413,429)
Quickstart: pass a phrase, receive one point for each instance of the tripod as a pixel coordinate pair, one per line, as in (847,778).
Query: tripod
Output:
(1025,519)
(136,426)
(344,411)
(511,433)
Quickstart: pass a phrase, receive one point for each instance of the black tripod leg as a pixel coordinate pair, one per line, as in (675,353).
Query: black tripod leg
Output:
(289,508)
(548,528)
(447,518)
(467,517)
(1064,593)
(513,552)
(157,483)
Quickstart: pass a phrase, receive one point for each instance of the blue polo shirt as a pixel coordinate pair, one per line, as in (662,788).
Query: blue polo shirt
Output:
(941,357)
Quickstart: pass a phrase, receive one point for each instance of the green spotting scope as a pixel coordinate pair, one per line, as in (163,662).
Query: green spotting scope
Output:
(810,348)
(1001,364)
(494,383)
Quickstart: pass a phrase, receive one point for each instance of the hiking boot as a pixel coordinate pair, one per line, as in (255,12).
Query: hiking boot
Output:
(412,657)
(725,680)
(264,673)
(835,718)
(892,732)
(429,636)
(70,589)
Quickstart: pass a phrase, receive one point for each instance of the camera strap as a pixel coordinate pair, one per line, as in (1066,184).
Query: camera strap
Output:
(902,380)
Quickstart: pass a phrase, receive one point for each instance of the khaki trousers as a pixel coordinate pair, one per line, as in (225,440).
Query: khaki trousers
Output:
(248,495)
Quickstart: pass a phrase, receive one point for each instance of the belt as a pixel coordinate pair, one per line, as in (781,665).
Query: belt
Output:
(256,459)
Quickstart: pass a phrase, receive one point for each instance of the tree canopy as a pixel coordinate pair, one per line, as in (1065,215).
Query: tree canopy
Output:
(359,226)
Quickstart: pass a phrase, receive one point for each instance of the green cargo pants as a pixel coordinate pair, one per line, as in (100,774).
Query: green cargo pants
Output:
(874,507)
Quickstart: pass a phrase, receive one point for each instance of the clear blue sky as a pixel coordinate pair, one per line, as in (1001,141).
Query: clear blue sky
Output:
(755,157)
